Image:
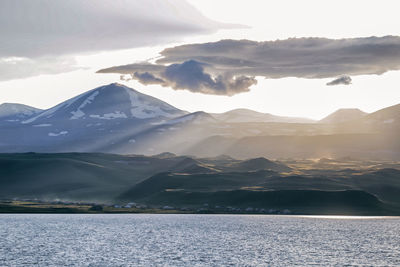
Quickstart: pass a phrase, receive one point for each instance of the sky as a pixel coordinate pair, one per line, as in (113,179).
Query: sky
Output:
(48,60)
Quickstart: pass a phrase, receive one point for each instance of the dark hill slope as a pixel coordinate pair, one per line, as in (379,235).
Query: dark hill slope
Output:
(372,192)
(260,164)
(74,176)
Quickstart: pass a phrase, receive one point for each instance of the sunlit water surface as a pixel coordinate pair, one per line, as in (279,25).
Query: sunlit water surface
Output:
(197,240)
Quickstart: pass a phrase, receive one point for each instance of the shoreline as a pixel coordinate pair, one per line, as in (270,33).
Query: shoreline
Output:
(32,207)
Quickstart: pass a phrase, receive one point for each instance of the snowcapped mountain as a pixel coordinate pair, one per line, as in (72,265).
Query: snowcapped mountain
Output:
(11,112)
(113,101)
(92,121)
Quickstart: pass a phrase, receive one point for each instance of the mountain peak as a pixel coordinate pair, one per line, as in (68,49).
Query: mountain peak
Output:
(350,110)
(343,115)
(112,101)
(16,111)
(113,86)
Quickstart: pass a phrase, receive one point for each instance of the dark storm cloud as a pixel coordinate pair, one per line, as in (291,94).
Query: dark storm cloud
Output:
(345,80)
(45,29)
(295,57)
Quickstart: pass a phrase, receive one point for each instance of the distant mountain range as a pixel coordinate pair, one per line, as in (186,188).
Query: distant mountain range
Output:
(118,119)
(247,115)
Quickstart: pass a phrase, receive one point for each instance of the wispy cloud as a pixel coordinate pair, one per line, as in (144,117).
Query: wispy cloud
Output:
(22,67)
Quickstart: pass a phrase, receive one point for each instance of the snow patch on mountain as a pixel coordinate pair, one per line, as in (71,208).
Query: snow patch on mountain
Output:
(58,134)
(50,112)
(157,122)
(79,113)
(110,116)
(42,125)
(144,109)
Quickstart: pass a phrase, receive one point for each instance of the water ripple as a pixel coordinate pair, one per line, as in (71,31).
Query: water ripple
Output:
(197,240)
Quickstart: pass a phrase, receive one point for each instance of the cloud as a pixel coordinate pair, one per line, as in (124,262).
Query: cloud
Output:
(235,62)
(22,67)
(295,57)
(344,79)
(50,29)
(190,75)
(147,78)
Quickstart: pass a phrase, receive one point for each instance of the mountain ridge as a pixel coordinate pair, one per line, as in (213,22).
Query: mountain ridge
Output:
(117,119)
(248,115)
(16,112)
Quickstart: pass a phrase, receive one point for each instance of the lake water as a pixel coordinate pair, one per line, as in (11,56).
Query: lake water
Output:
(197,240)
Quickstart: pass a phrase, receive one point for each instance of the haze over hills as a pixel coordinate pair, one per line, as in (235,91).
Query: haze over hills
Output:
(343,115)
(118,119)
(388,116)
(371,136)
(247,115)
